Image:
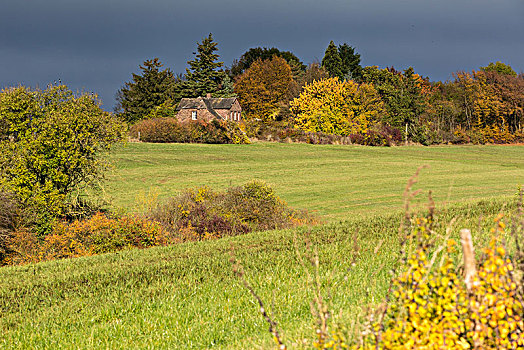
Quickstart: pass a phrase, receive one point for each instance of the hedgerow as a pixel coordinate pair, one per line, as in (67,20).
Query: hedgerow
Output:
(377,135)
(165,130)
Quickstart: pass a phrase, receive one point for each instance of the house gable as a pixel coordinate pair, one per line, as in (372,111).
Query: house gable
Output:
(208,108)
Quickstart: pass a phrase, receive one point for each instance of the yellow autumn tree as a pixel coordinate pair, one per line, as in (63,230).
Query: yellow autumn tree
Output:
(337,107)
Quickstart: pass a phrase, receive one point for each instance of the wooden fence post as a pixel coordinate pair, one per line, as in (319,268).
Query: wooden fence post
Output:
(470,266)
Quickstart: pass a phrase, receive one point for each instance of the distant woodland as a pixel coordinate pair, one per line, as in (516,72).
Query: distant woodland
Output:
(337,98)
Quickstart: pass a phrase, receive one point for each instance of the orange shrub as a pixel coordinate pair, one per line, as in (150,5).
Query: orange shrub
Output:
(96,235)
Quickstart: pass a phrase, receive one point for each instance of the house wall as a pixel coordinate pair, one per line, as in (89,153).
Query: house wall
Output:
(227,113)
(202,114)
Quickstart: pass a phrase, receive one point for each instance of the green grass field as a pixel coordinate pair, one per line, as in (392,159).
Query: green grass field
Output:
(186,296)
(335,182)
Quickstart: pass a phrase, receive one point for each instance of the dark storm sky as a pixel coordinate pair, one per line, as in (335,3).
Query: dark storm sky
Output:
(95,45)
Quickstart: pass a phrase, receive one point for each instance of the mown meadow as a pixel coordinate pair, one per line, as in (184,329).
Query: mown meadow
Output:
(187,296)
(332,181)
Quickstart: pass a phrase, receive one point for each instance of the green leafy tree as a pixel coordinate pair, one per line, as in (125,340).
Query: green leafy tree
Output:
(332,62)
(403,94)
(154,87)
(51,146)
(500,68)
(205,74)
(351,68)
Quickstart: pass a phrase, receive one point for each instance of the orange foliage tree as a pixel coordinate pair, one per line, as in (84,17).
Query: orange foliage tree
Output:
(493,103)
(263,89)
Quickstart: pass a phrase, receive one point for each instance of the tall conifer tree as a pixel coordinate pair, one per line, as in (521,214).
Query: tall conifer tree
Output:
(351,68)
(205,74)
(152,88)
(332,62)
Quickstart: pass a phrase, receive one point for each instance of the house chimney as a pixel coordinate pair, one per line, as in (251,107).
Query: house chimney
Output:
(208,95)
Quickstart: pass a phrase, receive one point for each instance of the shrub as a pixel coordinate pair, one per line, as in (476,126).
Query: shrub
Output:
(462,136)
(380,135)
(163,130)
(429,305)
(51,143)
(157,130)
(432,307)
(96,235)
(202,213)
(494,134)
(256,204)
(13,219)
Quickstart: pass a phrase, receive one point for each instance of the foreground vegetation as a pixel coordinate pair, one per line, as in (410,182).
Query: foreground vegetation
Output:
(195,215)
(333,182)
(187,295)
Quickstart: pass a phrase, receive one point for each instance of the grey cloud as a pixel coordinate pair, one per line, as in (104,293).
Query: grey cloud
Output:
(97,44)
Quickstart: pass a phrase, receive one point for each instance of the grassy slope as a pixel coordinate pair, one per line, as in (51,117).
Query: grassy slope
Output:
(333,181)
(186,296)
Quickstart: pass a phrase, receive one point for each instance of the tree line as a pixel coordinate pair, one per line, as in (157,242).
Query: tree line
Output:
(337,95)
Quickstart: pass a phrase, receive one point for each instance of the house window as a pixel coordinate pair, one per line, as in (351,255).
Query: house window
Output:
(194,115)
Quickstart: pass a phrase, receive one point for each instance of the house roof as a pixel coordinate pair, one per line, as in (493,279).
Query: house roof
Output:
(209,103)
(204,102)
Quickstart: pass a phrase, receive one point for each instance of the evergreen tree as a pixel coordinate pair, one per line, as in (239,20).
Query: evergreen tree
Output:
(152,88)
(204,75)
(332,62)
(227,88)
(351,68)
(263,53)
